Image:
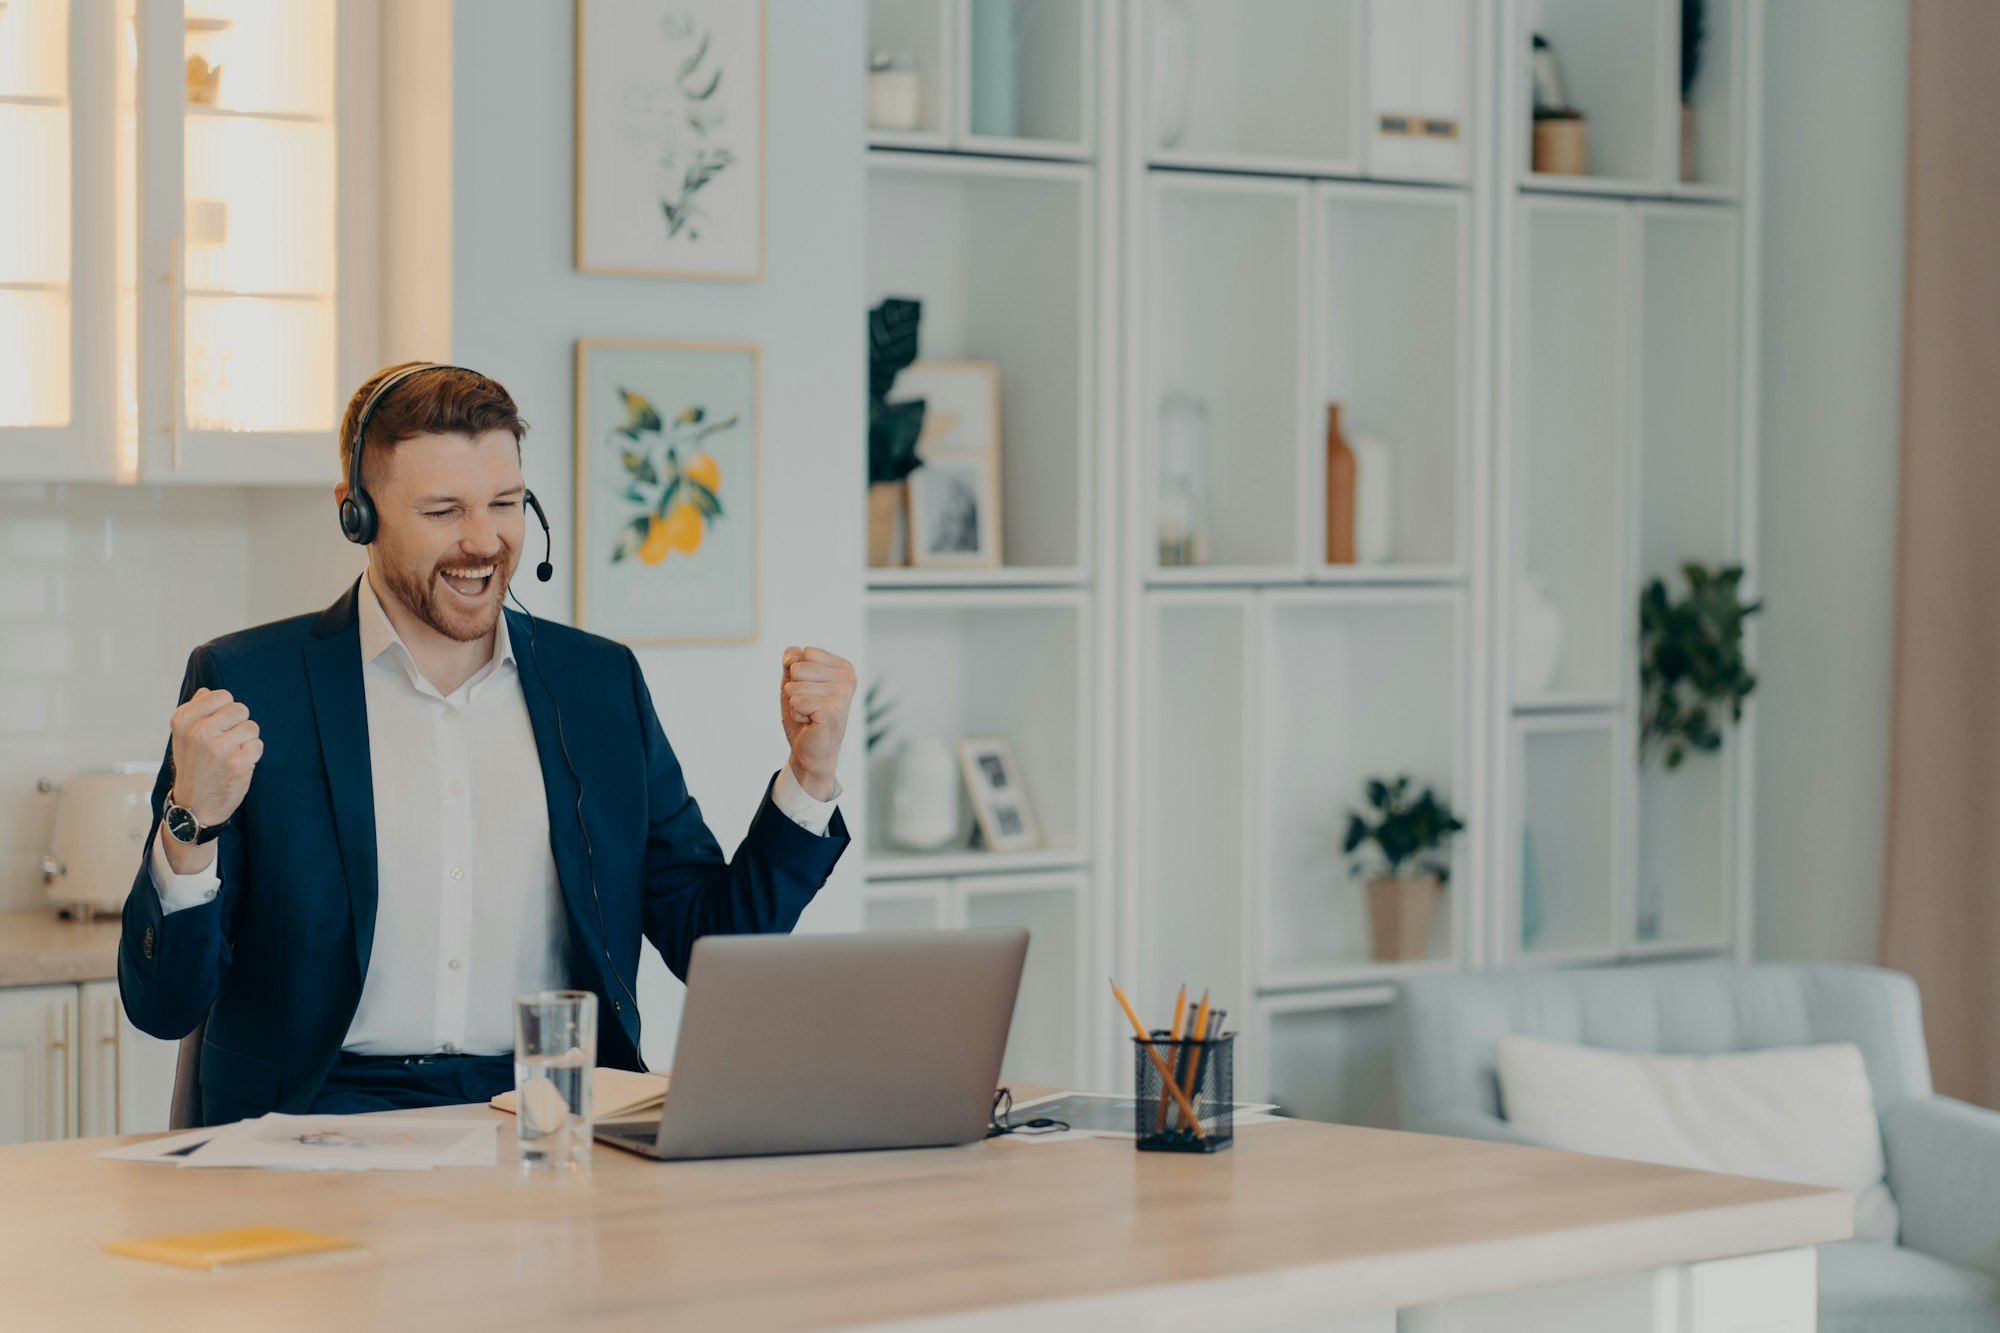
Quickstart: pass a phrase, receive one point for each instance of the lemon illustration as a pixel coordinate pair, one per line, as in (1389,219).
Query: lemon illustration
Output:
(703,470)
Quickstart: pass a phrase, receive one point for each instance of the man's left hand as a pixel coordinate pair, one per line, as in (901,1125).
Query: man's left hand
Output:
(817,690)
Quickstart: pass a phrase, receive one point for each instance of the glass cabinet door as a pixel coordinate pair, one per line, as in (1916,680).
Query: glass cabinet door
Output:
(55,248)
(256,234)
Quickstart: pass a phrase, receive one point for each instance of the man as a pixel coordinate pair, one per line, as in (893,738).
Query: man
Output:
(378,823)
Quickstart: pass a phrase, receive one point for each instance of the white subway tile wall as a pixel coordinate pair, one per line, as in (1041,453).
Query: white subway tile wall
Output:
(103,592)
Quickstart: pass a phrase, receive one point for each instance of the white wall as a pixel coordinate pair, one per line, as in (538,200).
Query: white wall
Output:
(518,307)
(1837,75)
(103,592)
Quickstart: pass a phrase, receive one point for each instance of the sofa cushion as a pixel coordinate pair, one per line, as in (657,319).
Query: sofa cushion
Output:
(1804,1114)
(1867,1287)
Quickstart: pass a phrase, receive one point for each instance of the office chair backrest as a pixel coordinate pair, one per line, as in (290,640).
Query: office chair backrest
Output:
(185,1112)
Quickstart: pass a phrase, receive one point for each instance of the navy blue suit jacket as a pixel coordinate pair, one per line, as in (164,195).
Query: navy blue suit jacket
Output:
(275,961)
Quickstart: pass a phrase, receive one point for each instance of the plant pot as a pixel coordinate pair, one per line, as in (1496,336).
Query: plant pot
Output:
(1562,147)
(1687,140)
(1399,917)
(887,501)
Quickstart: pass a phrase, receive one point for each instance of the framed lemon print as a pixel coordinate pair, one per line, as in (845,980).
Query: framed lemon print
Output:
(666,490)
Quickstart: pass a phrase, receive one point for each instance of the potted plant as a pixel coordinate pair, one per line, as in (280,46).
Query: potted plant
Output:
(893,428)
(1407,867)
(1560,142)
(1691,662)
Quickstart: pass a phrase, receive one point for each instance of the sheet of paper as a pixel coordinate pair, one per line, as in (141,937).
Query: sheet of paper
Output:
(349,1143)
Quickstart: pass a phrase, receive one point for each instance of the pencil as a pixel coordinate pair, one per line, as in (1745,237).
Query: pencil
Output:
(1180,1013)
(1190,1065)
(1146,1040)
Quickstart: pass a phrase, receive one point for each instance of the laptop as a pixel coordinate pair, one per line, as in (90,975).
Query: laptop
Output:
(833,1043)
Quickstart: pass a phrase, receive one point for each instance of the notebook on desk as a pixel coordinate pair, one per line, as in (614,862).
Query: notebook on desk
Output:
(615,1094)
(833,1043)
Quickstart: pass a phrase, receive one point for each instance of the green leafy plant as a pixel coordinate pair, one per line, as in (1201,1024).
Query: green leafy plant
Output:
(893,428)
(1691,661)
(878,707)
(688,161)
(1694,35)
(1409,832)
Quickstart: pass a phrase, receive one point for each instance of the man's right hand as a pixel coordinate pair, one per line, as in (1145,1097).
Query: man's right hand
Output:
(216,748)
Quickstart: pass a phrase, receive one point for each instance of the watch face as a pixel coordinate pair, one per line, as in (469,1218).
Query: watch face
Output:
(181,824)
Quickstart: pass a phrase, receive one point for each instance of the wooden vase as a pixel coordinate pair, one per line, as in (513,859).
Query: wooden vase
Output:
(1562,147)
(1341,491)
(1399,917)
(886,503)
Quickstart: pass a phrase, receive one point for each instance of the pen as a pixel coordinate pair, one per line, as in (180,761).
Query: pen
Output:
(1152,1051)
(1190,1054)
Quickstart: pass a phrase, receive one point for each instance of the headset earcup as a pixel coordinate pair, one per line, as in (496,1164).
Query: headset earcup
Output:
(357,518)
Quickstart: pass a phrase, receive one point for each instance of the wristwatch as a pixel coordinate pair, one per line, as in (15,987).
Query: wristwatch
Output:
(184,828)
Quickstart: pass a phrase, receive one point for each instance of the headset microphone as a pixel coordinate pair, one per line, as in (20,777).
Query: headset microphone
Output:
(544,571)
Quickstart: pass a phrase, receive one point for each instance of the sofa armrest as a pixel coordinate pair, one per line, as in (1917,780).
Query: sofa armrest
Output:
(1462,1123)
(1944,1169)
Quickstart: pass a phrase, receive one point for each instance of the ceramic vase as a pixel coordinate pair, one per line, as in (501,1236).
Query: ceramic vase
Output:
(1538,632)
(923,804)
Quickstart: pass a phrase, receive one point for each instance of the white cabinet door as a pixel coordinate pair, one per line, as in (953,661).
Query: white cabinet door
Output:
(257,230)
(37,1063)
(127,1077)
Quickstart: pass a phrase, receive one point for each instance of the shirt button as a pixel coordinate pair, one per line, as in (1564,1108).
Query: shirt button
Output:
(456,789)
(457,872)
(453,965)
(450,1049)
(450,713)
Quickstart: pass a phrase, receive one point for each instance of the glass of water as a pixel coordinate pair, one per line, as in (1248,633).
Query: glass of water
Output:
(555,1049)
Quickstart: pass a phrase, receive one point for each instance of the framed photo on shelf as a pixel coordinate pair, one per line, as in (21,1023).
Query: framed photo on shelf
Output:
(670,138)
(954,519)
(999,801)
(666,490)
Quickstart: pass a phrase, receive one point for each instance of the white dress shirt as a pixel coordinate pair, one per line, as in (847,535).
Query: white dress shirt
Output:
(469,912)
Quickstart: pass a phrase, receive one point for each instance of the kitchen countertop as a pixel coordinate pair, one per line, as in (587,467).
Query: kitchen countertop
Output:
(38,948)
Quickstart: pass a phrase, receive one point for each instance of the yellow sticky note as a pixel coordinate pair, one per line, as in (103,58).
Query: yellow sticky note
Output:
(218,1249)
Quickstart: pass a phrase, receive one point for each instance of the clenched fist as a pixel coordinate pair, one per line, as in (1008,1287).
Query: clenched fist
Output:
(813,700)
(215,749)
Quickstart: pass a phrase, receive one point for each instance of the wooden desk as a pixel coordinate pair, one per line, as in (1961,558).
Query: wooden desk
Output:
(1298,1221)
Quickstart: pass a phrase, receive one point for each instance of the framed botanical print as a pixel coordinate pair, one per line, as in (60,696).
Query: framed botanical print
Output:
(666,490)
(670,138)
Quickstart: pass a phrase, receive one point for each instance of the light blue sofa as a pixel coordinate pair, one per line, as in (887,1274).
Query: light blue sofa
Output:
(1944,1156)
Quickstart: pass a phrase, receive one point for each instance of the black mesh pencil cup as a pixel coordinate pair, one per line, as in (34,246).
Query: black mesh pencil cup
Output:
(1186,1093)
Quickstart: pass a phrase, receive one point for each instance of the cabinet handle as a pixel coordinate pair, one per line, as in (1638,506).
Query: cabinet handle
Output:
(115,1039)
(61,1043)
(176,253)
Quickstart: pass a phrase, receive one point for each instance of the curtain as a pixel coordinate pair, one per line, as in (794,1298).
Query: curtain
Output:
(1941,895)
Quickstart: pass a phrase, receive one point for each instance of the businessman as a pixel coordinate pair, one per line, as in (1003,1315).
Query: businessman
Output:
(377,824)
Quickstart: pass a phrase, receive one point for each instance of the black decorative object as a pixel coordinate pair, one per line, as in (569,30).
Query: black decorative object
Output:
(893,428)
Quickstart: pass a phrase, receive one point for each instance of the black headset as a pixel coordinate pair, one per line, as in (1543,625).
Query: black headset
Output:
(358,522)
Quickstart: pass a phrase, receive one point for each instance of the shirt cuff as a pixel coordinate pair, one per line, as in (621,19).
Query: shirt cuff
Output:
(183,891)
(798,805)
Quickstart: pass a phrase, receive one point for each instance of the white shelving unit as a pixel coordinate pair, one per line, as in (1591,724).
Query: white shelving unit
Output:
(1292,245)
(1627,444)
(1270,208)
(994,214)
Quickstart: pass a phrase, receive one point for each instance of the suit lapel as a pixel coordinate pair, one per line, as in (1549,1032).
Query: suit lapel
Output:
(560,789)
(340,711)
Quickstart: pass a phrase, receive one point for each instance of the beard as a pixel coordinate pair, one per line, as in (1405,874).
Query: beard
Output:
(430,601)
